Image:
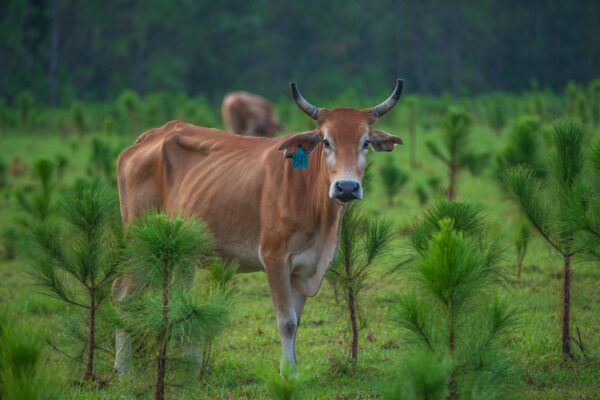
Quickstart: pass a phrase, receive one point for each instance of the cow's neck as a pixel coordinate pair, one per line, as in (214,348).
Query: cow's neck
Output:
(328,212)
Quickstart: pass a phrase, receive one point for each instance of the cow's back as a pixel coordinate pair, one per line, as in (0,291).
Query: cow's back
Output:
(201,172)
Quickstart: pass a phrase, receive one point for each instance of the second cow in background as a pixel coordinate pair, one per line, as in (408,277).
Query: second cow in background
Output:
(249,114)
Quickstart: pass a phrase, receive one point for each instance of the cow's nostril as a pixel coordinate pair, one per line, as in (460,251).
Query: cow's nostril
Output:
(339,187)
(355,189)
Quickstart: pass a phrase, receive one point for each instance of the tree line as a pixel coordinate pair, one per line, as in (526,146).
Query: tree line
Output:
(60,50)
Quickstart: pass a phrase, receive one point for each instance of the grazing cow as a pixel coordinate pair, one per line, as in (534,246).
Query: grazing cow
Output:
(263,212)
(249,114)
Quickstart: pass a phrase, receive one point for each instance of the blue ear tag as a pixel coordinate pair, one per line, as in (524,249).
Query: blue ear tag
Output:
(300,159)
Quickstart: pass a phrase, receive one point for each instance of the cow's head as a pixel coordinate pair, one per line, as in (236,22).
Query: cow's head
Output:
(343,137)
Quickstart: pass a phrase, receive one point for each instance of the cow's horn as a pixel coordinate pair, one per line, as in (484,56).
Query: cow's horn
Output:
(304,105)
(387,105)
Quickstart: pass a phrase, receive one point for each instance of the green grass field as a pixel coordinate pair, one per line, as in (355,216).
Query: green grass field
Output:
(249,346)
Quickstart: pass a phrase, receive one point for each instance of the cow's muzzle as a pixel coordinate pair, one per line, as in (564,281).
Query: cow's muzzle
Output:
(346,191)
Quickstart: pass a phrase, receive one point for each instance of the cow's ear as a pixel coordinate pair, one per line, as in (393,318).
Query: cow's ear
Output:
(383,141)
(308,140)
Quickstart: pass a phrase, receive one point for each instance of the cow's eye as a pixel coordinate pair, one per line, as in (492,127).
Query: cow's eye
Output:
(365,145)
(326,144)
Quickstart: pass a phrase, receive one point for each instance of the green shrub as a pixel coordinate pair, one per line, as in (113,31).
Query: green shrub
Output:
(23,374)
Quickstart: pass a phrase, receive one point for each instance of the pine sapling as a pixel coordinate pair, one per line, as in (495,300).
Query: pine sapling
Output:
(39,204)
(393,179)
(547,203)
(3,174)
(77,265)
(283,386)
(584,217)
(523,146)
(497,114)
(451,314)
(411,104)
(220,279)
(521,240)
(457,153)
(166,251)
(363,240)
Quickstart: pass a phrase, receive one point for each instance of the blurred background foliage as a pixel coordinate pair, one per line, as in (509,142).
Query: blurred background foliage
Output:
(57,51)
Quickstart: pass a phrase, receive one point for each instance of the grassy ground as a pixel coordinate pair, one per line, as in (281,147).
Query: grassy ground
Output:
(249,347)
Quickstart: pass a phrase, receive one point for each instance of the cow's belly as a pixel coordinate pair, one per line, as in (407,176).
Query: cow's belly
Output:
(246,254)
(236,239)
(225,195)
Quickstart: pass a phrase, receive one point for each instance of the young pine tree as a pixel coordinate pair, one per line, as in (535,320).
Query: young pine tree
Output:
(457,153)
(362,241)
(286,385)
(451,314)
(393,179)
(77,265)
(594,95)
(548,203)
(522,146)
(3,174)
(220,279)
(584,217)
(521,241)
(412,106)
(497,114)
(102,160)
(39,204)
(129,104)
(166,313)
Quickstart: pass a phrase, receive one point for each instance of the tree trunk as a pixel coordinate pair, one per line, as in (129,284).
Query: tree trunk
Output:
(566,336)
(161,370)
(161,362)
(456,48)
(54,53)
(353,317)
(452,180)
(89,372)
(452,387)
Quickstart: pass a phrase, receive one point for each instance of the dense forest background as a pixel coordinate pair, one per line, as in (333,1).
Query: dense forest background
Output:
(61,50)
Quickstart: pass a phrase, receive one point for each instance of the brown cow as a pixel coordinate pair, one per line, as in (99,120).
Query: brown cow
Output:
(249,114)
(263,213)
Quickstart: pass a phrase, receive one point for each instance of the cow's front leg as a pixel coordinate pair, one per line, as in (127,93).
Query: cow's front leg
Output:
(298,300)
(278,275)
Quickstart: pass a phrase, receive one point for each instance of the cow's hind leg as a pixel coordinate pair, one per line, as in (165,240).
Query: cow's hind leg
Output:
(123,347)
